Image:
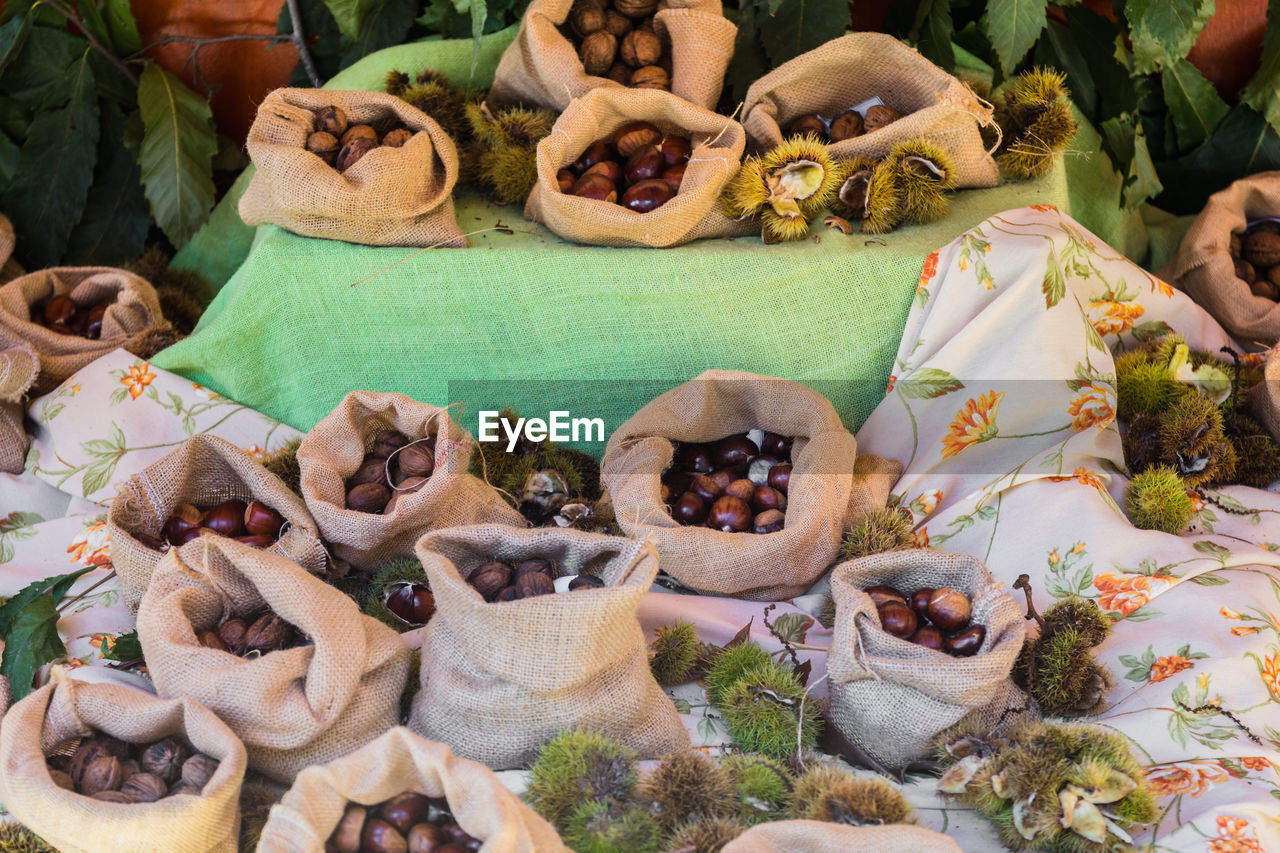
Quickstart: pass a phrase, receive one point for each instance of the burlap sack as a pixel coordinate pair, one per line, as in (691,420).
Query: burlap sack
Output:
(294,707)
(336,446)
(813,836)
(18,370)
(831,483)
(395,763)
(692,214)
(1264,397)
(1204,269)
(134,311)
(391,197)
(9,267)
(500,680)
(542,67)
(203,470)
(851,69)
(55,717)
(890,696)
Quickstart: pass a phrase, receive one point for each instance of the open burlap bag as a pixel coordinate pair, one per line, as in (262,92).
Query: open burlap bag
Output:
(18,370)
(203,470)
(692,214)
(851,69)
(294,707)
(1204,269)
(890,696)
(1264,397)
(134,311)
(390,197)
(397,762)
(58,715)
(831,483)
(542,67)
(9,267)
(336,446)
(813,836)
(500,680)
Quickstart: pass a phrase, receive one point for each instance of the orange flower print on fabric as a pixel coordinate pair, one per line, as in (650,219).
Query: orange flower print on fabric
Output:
(920,538)
(1233,837)
(893,380)
(1256,763)
(137,379)
(1043,208)
(1185,777)
(91,546)
(929,271)
(973,424)
(1167,666)
(1271,674)
(1113,318)
(1126,593)
(1095,407)
(1083,476)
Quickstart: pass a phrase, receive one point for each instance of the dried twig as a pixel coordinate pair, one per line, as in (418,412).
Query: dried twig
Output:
(1024,583)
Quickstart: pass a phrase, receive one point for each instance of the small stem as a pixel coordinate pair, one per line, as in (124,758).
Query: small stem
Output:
(70,601)
(201,42)
(97,45)
(1024,583)
(300,42)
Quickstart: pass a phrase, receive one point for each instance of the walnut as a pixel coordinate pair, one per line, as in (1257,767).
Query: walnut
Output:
(640,48)
(598,52)
(164,759)
(651,77)
(636,8)
(878,116)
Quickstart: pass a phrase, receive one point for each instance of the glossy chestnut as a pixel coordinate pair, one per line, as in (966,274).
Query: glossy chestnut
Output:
(898,619)
(646,196)
(730,515)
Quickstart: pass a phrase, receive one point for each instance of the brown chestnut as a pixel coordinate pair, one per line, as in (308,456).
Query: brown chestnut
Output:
(594,153)
(949,609)
(533,584)
(183,518)
(404,811)
(155,543)
(346,837)
(262,520)
(648,195)
(743,489)
(60,310)
(807,125)
(381,837)
(769,521)
(919,601)
(227,518)
(694,458)
(689,508)
(565,178)
(965,643)
(644,164)
(359,131)
(490,578)
(767,497)
(388,441)
(897,618)
(193,533)
(880,594)
(673,175)
(368,497)
(707,487)
(425,838)
(397,137)
(93,322)
(586,582)
(508,594)
(928,636)
(772,444)
(324,145)
(633,136)
(268,633)
(211,640)
(730,515)
(780,476)
(232,634)
(371,470)
(608,169)
(535,564)
(674,150)
(352,152)
(847,125)
(414,604)
(596,187)
(331,119)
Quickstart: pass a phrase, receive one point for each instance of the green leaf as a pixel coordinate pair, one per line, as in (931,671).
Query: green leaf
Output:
(1214,550)
(1055,284)
(928,383)
(17,520)
(801,25)
(1060,48)
(1242,144)
(1163,31)
(56,587)
(177,154)
(31,642)
(91,20)
(116,215)
(791,627)
(384,26)
(749,63)
(98,475)
(126,647)
(1194,105)
(46,198)
(479,12)
(112,82)
(1143,181)
(123,27)
(351,14)
(13,36)
(42,76)
(1209,580)
(933,30)
(1263,91)
(1013,27)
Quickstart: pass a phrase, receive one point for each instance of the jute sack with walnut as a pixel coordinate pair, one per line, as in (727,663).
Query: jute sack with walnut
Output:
(542,67)
(890,696)
(813,836)
(397,762)
(501,679)
(9,267)
(848,70)
(18,370)
(1264,398)
(1203,266)
(133,311)
(336,446)
(831,483)
(203,470)
(294,707)
(55,718)
(390,197)
(691,214)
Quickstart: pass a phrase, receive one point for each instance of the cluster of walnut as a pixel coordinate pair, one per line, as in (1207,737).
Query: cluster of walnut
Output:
(618,41)
(1257,255)
(114,771)
(341,145)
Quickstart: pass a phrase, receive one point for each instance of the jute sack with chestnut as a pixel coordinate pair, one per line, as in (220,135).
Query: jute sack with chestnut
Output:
(127,310)
(1205,269)
(294,706)
(18,370)
(203,470)
(501,678)
(542,66)
(56,717)
(889,695)
(336,448)
(846,71)
(693,211)
(813,836)
(399,762)
(392,196)
(831,483)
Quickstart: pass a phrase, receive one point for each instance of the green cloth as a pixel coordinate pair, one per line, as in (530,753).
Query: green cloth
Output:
(530,321)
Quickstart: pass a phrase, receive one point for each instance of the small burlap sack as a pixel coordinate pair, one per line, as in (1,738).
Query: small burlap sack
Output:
(203,470)
(831,483)
(1264,398)
(18,370)
(542,67)
(58,715)
(1204,269)
(890,696)
(9,267)
(390,197)
(848,70)
(500,680)
(134,311)
(692,214)
(294,707)
(336,446)
(394,764)
(813,836)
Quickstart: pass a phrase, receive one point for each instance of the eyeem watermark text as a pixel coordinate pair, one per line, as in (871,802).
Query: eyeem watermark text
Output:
(559,426)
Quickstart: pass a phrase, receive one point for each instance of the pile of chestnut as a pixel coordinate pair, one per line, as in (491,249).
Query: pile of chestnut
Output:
(253,636)
(736,485)
(341,145)
(393,466)
(638,160)
(115,771)
(409,823)
(253,523)
(934,618)
(846,125)
(61,314)
(499,581)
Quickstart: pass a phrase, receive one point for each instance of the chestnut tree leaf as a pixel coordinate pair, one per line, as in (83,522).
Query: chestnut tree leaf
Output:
(1263,91)
(928,383)
(176,156)
(351,14)
(1055,284)
(1013,27)
(13,35)
(42,75)
(30,643)
(1194,105)
(1163,31)
(748,63)
(55,587)
(386,25)
(116,215)
(932,30)
(123,27)
(791,627)
(796,26)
